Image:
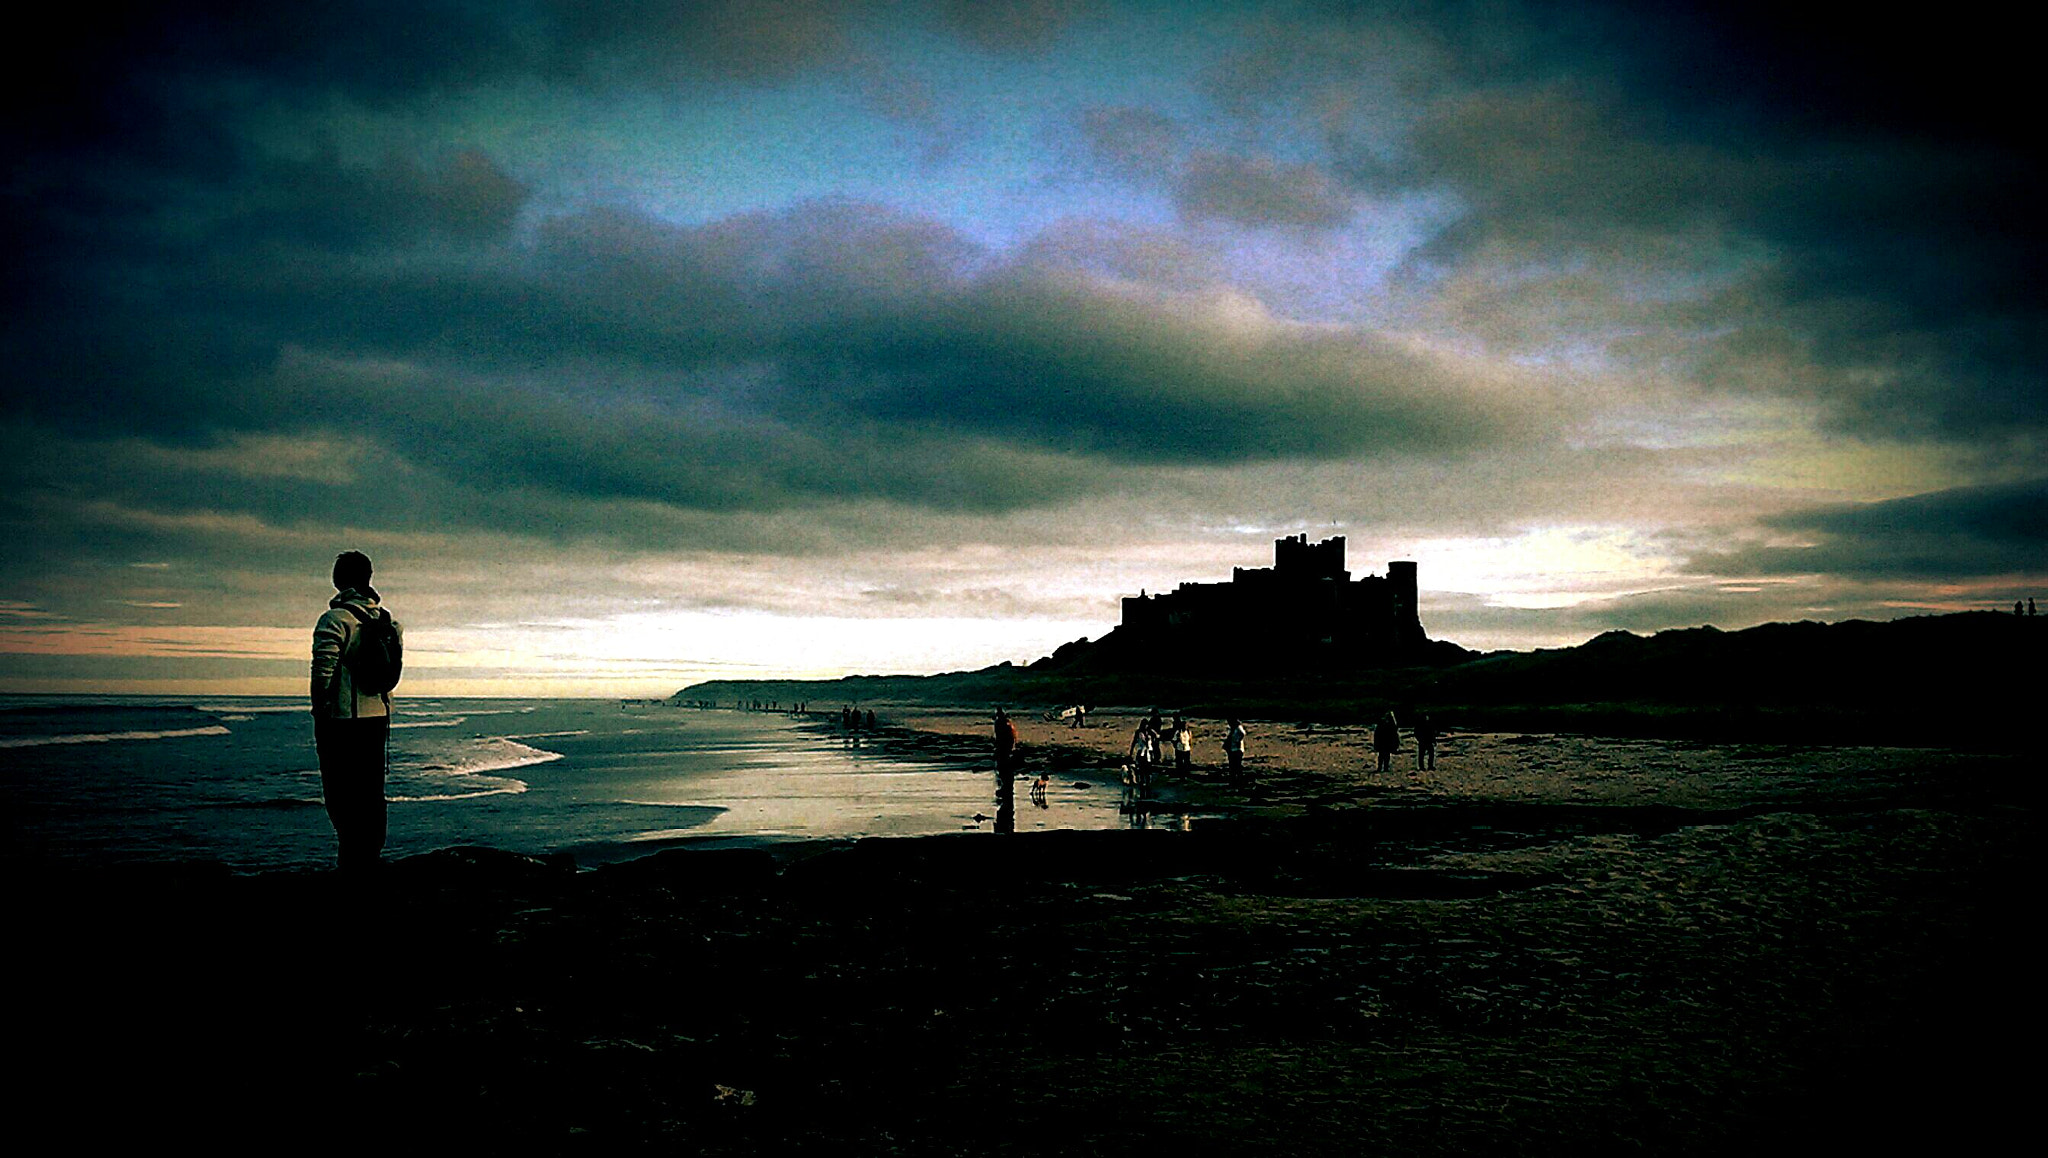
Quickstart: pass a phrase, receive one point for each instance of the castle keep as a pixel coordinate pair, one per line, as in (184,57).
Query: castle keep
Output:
(1306,605)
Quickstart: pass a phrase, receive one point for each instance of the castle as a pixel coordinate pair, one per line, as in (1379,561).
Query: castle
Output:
(1305,606)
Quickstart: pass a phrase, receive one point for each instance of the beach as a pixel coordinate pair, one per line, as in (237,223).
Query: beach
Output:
(1553,944)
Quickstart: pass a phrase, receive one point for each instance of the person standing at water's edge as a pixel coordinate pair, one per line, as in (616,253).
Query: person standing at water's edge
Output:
(357,656)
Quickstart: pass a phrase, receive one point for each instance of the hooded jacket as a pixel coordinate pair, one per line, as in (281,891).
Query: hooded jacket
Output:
(334,638)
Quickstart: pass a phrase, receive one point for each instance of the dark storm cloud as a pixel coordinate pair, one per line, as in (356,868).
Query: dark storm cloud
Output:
(326,204)
(1151,148)
(1861,188)
(1013,26)
(1951,535)
(1131,141)
(1258,191)
(831,352)
(380,51)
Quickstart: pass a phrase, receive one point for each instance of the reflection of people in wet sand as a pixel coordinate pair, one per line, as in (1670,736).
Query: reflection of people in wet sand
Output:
(1386,740)
(1006,768)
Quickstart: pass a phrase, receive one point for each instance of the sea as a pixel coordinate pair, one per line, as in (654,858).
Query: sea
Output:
(113,780)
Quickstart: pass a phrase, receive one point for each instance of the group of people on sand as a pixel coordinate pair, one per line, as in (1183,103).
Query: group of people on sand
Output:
(1146,756)
(1148,747)
(1147,753)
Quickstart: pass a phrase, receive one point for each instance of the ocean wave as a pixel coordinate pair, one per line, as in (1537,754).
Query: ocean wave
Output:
(545,735)
(472,772)
(107,737)
(496,754)
(217,709)
(506,786)
(429,723)
(662,834)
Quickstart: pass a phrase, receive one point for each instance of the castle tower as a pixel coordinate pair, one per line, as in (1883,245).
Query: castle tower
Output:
(1406,616)
(1294,557)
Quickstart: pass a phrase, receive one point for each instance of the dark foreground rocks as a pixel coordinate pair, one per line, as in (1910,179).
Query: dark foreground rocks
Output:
(1546,982)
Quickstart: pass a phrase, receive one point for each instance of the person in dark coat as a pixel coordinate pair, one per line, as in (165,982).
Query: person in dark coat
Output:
(1386,740)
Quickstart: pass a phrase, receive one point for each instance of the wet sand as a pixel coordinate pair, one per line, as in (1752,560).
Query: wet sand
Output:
(1298,766)
(1552,945)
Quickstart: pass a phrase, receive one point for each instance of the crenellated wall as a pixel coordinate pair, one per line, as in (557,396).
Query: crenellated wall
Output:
(1307,601)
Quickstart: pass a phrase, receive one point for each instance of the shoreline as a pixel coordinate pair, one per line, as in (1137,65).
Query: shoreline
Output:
(1303,769)
(1766,958)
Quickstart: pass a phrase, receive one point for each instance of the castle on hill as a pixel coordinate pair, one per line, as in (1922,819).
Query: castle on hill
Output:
(1305,605)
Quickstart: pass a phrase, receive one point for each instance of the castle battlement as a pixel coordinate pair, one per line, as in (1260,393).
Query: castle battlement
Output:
(1305,602)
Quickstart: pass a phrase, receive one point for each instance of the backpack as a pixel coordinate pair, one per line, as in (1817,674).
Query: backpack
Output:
(376,660)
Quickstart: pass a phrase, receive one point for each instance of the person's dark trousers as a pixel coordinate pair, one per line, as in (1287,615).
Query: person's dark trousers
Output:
(352,781)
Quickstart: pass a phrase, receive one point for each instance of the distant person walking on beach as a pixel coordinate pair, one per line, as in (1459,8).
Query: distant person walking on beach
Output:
(1425,743)
(358,652)
(1233,749)
(1386,740)
(1183,746)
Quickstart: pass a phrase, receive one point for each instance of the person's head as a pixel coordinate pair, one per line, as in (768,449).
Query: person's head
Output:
(351,569)
(1001,715)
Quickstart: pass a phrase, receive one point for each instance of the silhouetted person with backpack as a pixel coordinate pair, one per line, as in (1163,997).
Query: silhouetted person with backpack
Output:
(358,652)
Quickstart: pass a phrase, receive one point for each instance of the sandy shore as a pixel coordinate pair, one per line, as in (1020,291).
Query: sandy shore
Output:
(1554,945)
(1295,766)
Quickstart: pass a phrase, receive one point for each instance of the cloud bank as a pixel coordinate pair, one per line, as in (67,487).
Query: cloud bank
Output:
(589,287)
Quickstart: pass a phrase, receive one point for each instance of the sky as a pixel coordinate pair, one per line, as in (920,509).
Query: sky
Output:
(650,342)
